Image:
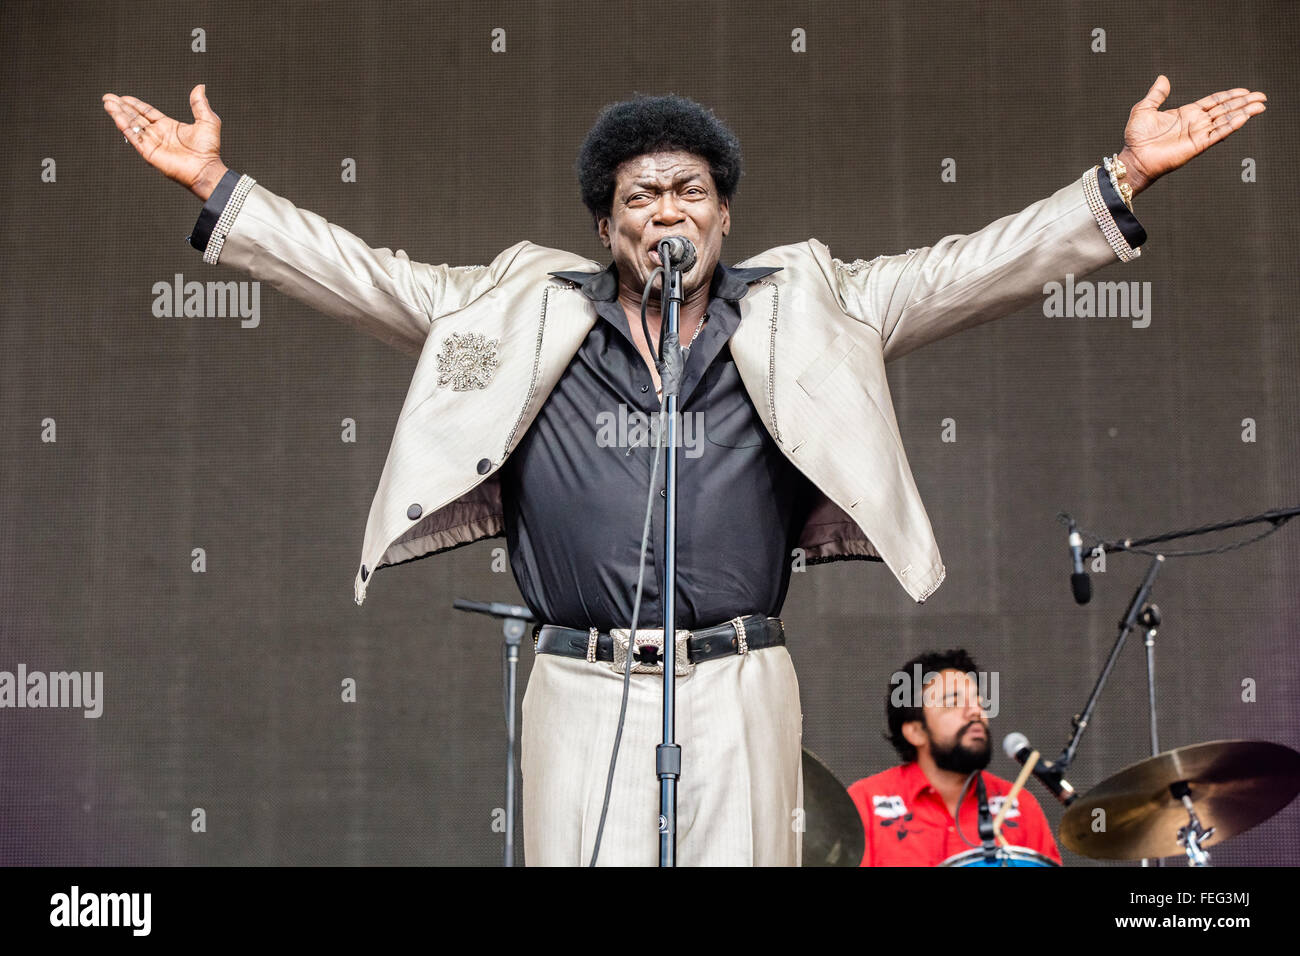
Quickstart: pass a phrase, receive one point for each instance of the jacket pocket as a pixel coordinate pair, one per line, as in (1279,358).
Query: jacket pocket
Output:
(831,358)
(734,423)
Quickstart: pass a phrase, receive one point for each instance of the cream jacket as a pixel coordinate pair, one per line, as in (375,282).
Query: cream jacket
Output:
(811,350)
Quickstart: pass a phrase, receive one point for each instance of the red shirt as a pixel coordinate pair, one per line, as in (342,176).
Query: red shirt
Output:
(908,824)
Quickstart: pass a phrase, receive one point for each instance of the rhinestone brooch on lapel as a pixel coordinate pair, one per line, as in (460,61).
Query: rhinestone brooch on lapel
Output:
(467,360)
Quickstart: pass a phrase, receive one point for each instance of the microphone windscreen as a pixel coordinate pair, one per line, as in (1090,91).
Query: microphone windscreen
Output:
(1081,585)
(1013,743)
(684,250)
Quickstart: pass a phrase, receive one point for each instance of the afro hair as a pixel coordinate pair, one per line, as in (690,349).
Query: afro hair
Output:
(650,124)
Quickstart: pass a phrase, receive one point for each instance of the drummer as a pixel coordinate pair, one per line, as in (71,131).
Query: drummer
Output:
(942,734)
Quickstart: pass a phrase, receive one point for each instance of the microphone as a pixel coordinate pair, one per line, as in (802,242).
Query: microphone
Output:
(680,252)
(1018,749)
(1080,582)
(494,609)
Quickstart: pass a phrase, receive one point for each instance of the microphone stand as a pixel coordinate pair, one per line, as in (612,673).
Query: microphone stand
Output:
(1126,624)
(513,620)
(668,755)
(985,819)
(1139,611)
(1150,619)
(1080,721)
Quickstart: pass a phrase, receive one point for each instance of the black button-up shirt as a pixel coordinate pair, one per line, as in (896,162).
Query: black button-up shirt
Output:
(574,489)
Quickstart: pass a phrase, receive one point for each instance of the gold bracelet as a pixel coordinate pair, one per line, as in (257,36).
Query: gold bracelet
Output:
(1117,170)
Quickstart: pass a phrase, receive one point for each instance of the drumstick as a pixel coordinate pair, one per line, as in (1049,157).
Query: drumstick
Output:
(1025,771)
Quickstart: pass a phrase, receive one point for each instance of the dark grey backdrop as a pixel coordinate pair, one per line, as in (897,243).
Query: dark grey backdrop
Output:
(223,689)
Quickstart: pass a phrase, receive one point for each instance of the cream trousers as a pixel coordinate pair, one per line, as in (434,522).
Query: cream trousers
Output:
(740,797)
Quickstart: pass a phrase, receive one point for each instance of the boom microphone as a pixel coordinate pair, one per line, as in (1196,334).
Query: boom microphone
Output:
(494,609)
(1018,749)
(1080,582)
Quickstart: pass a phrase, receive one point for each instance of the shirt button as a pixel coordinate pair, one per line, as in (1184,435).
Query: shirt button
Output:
(645,388)
(414,512)
(663,492)
(484,466)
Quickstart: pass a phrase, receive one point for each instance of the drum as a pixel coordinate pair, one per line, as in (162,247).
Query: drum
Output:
(1006,856)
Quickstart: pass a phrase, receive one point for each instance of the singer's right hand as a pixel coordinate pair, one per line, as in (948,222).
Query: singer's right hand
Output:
(189,153)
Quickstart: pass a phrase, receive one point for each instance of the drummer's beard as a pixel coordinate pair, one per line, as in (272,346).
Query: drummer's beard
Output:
(962,758)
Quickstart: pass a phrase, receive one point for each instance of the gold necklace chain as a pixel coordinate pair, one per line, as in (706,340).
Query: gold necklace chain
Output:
(698,325)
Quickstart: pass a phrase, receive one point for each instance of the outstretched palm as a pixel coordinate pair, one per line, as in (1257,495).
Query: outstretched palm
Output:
(186,152)
(1159,142)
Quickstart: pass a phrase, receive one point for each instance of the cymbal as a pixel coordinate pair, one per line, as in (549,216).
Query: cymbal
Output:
(833,834)
(1234,785)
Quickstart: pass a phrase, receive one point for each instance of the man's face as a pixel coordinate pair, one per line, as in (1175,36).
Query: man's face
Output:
(658,195)
(955,723)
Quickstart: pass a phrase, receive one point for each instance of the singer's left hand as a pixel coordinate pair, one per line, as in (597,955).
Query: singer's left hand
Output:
(1158,142)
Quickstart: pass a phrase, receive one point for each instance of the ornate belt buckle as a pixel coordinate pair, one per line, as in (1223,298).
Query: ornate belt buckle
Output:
(649,638)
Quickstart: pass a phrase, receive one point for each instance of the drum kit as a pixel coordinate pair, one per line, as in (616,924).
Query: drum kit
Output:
(1176,803)
(1173,803)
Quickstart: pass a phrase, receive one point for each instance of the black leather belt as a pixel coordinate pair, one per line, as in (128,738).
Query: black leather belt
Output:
(737,636)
